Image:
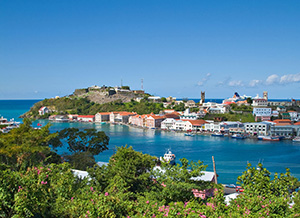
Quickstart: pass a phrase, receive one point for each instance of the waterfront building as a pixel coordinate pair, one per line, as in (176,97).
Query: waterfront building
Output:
(194,125)
(138,120)
(72,117)
(261,128)
(120,116)
(227,125)
(179,125)
(279,130)
(154,121)
(211,126)
(168,124)
(102,117)
(86,118)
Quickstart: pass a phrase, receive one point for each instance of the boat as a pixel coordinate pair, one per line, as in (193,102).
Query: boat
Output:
(296,139)
(217,134)
(238,136)
(270,138)
(103,122)
(169,157)
(189,134)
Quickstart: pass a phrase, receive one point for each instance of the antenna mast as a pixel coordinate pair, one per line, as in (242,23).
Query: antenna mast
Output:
(142,84)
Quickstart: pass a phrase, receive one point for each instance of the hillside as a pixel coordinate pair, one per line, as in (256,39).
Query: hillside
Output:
(93,100)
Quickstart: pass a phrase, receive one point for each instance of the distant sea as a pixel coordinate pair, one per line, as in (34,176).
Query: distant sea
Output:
(231,155)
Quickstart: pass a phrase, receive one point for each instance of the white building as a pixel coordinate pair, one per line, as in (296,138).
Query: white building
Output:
(179,125)
(262,111)
(259,102)
(189,116)
(43,110)
(212,126)
(86,118)
(261,128)
(102,117)
(168,124)
(293,115)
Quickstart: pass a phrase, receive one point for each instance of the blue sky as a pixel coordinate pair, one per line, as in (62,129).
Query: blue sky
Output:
(178,48)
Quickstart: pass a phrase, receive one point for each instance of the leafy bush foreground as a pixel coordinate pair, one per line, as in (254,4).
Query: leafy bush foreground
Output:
(34,183)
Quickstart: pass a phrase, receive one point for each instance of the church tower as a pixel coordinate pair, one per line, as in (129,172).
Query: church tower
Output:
(202,97)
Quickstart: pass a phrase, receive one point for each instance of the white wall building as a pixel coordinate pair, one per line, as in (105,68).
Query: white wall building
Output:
(261,128)
(259,102)
(212,126)
(43,110)
(293,115)
(180,125)
(168,124)
(262,111)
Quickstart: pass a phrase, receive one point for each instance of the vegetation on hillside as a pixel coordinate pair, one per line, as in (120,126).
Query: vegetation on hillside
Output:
(83,106)
(242,117)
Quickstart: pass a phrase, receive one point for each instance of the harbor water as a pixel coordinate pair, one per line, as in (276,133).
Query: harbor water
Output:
(231,155)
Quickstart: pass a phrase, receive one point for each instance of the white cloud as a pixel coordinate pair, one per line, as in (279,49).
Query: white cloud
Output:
(235,83)
(203,80)
(272,79)
(255,82)
(290,78)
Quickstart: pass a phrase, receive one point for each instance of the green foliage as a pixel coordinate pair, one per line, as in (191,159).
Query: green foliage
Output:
(163,99)
(249,100)
(87,140)
(244,117)
(83,145)
(243,108)
(179,107)
(68,105)
(194,109)
(128,187)
(26,146)
(175,183)
(257,181)
(125,87)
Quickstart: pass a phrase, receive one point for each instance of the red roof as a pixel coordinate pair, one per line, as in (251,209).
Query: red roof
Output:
(86,116)
(282,121)
(104,113)
(196,122)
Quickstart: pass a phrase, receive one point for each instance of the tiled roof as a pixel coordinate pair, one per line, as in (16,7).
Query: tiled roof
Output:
(86,116)
(196,122)
(104,113)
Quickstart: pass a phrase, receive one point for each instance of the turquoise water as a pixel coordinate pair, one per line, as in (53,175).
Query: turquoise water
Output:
(231,155)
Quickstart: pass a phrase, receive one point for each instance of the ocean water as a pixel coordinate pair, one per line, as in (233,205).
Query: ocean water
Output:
(231,155)
(15,108)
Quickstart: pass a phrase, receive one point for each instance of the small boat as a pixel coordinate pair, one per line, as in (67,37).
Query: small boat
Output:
(217,134)
(238,136)
(168,157)
(189,134)
(103,122)
(296,139)
(270,138)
